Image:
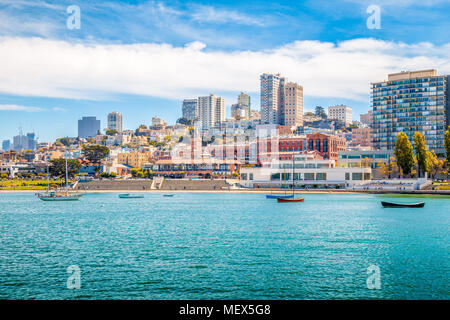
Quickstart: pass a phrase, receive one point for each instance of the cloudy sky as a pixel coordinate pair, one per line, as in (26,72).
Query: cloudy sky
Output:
(143,57)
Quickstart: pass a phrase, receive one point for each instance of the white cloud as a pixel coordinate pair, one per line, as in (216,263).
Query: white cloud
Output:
(14,107)
(52,68)
(210,14)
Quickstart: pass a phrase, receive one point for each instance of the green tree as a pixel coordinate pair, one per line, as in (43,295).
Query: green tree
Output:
(65,141)
(404,153)
(447,144)
(320,112)
(420,146)
(57,167)
(95,152)
(111,132)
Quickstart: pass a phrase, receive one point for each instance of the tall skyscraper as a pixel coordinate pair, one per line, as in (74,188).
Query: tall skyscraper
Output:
(293,104)
(115,121)
(271,98)
(341,112)
(24,142)
(190,109)
(88,127)
(6,145)
(211,110)
(409,102)
(281,101)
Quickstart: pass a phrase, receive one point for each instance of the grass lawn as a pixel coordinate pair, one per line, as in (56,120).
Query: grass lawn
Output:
(18,184)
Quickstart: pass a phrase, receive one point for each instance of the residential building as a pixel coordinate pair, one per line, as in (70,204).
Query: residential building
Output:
(158,122)
(88,127)
(293,105)
(409,102)
(239,112)
(244,100)
(211,111)
(366,118)
(361,137)
(271,98)
(135,159)
(115,121)
(341,112)
(190,109)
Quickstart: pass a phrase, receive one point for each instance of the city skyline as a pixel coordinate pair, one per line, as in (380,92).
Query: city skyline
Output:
(46,101)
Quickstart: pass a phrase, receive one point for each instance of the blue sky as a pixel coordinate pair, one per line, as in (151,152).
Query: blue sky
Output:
(143,57)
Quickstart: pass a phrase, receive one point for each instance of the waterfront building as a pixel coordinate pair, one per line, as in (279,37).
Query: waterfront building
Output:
(88,127)
(6,145)
(341,112)
(308,172)
(366,118)
(211,111)
(190,109)
(409,102)
(355,158)
(115,121)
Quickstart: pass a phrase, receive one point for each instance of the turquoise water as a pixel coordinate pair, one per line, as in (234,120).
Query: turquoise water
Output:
(223,246)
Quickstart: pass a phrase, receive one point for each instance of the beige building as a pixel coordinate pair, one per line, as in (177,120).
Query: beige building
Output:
(135,159)
(293,104)
(341,112)
(361,137)
(366,118)
(211,110)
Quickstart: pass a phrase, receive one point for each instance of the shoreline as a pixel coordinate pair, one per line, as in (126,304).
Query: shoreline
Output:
(250,191)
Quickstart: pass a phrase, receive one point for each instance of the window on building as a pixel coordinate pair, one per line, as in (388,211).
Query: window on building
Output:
(275,176)
(357,176)
(309,176)
(347,176)
(251,176)
(243,176)
(321,176)
(318,144)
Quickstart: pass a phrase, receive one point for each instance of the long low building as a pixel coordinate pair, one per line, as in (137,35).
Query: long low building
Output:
(306,173)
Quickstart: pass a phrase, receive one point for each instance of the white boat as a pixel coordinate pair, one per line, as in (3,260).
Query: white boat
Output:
(130,196)
(58,196)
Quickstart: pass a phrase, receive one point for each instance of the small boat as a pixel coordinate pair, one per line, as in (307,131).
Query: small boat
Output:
(168,195)
(55,196)
(275,196)
(402,205)
(130,196)
(291,200)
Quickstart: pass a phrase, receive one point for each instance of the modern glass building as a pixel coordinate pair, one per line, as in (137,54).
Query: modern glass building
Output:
(88,127)
(190,109)
(410,102)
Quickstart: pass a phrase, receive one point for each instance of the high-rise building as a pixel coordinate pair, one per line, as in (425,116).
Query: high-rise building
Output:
(409,102)
(6,145)
(281,101)
(366,118)
(244,100)
(341,112)
(271,98)
(115,121)
(211,111)
(31,141)
(190,109)
(88,127)
(293,104)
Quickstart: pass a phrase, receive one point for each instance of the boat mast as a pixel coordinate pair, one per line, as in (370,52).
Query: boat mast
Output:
(48,179)
(293,173)
(67,175)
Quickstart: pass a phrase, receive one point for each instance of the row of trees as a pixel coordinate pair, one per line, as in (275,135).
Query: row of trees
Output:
(423,159)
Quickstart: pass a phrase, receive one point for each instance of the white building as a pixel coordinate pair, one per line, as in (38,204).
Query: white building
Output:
(341,112)
(115,121)
(211,111)
(306,173)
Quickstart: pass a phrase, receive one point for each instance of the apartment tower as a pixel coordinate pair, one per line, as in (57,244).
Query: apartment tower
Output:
(409,102)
